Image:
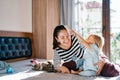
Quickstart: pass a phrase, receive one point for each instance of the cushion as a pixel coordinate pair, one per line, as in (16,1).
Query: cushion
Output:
(109,70)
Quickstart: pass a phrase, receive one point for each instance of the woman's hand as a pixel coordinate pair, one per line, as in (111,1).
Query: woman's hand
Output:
(63,69)
(100,65)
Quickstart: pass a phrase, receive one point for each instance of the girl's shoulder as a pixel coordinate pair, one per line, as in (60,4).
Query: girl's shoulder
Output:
(95,47)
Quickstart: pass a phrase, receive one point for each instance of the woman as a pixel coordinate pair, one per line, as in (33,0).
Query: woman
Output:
(67,47)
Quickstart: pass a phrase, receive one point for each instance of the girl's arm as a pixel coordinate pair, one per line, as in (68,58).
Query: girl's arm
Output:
(81,39)
(100,65)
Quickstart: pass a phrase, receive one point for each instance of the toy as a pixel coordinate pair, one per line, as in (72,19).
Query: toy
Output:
(34,62)
(9,70)
(4,65)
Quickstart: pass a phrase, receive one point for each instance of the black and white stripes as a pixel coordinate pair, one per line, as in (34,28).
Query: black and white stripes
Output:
(76,49)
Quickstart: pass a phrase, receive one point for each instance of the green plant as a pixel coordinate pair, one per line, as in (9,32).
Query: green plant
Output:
(115,47)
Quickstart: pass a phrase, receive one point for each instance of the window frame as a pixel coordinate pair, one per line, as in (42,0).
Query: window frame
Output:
(106,26)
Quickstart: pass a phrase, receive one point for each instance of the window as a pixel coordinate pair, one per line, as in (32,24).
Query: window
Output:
(93,16)
(88,16)
(115,31)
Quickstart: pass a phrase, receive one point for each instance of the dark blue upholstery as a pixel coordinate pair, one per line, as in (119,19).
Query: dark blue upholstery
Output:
(15,47)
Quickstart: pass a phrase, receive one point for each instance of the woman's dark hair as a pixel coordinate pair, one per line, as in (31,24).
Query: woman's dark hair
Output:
(55,34)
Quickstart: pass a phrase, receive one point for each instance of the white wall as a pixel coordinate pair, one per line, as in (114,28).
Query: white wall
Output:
(16,15)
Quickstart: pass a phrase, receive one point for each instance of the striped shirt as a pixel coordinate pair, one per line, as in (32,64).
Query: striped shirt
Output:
(77,49)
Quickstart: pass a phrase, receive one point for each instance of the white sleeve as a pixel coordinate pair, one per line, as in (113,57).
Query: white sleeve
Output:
(56,60)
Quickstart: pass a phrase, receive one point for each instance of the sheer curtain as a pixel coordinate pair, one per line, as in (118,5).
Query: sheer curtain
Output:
(66,12)
(82,15)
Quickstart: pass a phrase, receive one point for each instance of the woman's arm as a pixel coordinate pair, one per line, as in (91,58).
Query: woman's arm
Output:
(58,64)
(56,60)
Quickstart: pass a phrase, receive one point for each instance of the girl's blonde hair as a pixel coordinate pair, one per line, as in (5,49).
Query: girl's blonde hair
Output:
(99,40)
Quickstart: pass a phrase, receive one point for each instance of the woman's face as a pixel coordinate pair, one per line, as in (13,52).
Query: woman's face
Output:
(64,39)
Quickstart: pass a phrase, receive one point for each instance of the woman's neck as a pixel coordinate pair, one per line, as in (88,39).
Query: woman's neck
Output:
(65,47)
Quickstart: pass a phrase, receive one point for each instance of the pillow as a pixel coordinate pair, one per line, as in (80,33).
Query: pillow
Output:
(109,70)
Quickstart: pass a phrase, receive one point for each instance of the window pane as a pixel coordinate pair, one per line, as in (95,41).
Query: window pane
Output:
(115,31)
(88,16)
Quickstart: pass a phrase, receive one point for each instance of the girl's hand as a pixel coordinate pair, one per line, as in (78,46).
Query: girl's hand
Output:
(100,65)
(70,30)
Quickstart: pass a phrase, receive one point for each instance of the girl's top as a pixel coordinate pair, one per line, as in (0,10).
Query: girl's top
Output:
(91,57)
(76,49)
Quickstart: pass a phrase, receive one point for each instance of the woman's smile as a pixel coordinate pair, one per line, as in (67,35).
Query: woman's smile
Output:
(64,39)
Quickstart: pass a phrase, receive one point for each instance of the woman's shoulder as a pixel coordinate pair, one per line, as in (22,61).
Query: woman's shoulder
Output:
(74,38)
(58,49)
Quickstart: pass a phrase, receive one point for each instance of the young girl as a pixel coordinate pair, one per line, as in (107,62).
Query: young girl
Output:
(109,69)
(91,56)
(70,48)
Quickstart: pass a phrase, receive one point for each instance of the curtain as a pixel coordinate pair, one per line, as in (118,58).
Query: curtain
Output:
(66,14)
(81,16)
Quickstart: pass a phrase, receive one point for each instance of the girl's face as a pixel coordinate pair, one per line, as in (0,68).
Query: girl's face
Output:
(91,39)
(64,39)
